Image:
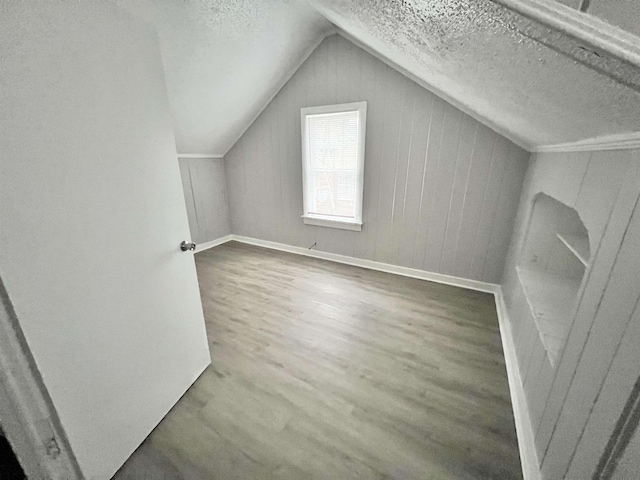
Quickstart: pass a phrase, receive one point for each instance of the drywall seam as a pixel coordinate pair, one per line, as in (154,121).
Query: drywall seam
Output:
(460,106)
(613,142)
(282,83)
(524,431)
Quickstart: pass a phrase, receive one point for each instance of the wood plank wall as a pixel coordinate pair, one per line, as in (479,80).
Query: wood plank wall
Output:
(574,407)
(205,194)
(441,190)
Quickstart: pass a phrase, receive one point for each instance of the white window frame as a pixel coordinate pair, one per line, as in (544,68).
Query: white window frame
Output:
(324,220)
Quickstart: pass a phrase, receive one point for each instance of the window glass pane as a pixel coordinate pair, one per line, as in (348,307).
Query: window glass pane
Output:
(333,163)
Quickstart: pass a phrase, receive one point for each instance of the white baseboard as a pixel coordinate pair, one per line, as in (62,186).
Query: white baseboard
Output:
(371,265)
(213,243)
(526,442)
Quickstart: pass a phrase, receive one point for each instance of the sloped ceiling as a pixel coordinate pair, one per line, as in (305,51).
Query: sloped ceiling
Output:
(535,85)
(224,60)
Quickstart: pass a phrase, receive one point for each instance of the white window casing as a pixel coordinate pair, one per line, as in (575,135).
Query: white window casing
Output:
(333,142)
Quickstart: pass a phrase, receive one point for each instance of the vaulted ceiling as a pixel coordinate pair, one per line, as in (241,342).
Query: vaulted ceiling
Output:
(224,59)
(539,72)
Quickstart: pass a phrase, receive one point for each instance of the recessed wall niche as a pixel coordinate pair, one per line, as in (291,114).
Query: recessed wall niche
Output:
(552,263)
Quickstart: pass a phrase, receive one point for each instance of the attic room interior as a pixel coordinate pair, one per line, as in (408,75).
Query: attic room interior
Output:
(320,239)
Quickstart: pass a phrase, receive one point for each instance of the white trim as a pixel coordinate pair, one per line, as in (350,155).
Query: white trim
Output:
(524,431)
(213,243)
(585,28)
(331,223)
(285,79)
(200,155)
(29,419)
(522,143)
(372,265)
(360,108)
(335,108)
(627,141)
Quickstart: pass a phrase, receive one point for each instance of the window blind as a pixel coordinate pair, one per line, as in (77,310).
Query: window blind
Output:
(332,140)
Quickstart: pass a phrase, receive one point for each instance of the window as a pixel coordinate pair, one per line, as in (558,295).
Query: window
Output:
(333,164)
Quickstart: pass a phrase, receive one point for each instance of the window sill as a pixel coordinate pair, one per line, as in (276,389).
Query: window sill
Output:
(323,222)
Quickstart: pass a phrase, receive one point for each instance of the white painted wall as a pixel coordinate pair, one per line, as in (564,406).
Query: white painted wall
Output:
(92,215)
(441,189)
(574,407)
(205,194)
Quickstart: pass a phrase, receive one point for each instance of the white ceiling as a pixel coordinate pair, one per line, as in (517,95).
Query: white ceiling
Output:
(498,66)
(224,60)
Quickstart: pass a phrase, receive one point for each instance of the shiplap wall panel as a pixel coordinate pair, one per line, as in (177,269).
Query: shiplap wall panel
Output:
(394,108)
(506,210)
(458,190)
(484,140)
(441,190)
(603,187)
(204,185)
(373,87)
(490,200)
(401,170)
(429,177)
(602,181)
(414,182)
(599,190)
(441,194)
(613,313)
(621,377)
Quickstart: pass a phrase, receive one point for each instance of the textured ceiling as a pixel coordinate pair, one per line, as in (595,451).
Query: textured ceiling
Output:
(224,59)
(534,84)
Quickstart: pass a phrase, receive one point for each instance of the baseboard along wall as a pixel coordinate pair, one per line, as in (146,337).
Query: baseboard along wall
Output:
(213,243)
(524,431)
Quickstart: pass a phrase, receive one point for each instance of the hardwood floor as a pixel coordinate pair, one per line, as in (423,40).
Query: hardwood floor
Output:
(327,371)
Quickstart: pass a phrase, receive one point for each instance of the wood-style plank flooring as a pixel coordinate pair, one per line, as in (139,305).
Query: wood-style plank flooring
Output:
(327,371)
